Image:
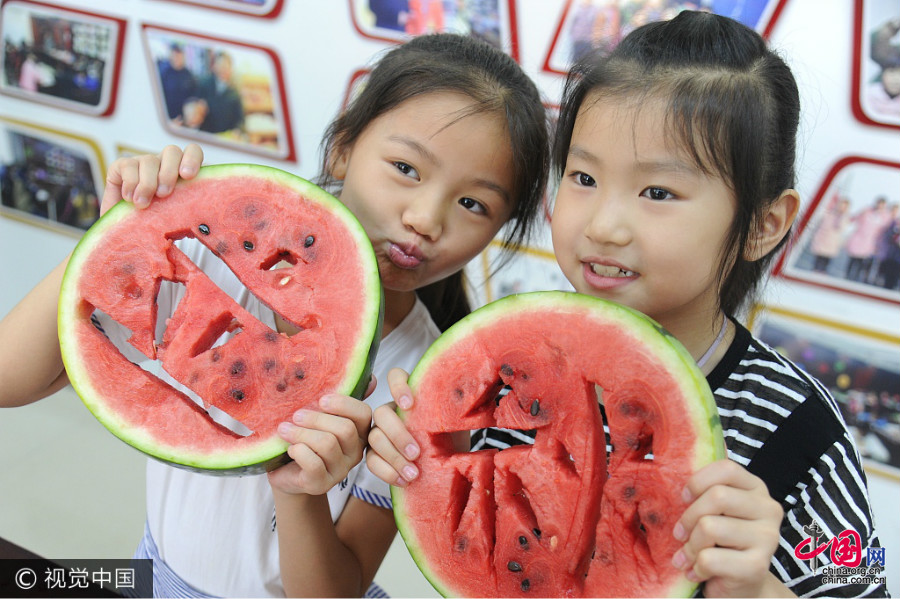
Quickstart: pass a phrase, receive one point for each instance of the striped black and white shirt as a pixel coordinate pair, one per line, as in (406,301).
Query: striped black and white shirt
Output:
(785,427)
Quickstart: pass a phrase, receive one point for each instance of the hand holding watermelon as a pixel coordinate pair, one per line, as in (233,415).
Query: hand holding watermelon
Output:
(136,179)
(731,529)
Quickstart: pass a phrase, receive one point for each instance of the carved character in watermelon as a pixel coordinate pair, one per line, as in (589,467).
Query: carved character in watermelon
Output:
(292,245)
(561,517)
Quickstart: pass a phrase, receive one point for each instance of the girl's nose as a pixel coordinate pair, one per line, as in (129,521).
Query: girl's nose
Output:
(609,222)
(425,215)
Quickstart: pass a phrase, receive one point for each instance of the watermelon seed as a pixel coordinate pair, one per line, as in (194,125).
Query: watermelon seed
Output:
(237,394)
(237,368)
(535,407)
(514,566)
(204,229)
(281,386)
(523,541)
(537,532)
(309,241)
(269,364)
(526,584)
(505,369)
(300,374)
(271,336)
(248,245)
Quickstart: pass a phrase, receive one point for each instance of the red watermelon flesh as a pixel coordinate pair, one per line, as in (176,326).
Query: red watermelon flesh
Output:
(560,517)
(292,245)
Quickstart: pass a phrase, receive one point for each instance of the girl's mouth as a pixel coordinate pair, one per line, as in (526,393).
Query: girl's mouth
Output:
(405,256)
(604,270)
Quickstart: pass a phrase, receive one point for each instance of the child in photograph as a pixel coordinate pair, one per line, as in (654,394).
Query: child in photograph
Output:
(675,156)
(828,239)
(446,143)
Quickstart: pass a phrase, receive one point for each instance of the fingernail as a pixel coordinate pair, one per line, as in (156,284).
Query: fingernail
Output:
(678,532)
(401,482)
(300,416)
(186,171)
(686,495)
(284,429)
(678,560)
(162,190)
(411,451)
(141,202)
(405,402)
(692,576)
(324,401)
(410,472)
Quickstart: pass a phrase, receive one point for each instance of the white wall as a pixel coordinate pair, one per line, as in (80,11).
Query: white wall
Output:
(319,51)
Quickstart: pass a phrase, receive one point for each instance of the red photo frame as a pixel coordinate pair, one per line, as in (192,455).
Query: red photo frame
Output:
(383,20)
(267,9)
(59,56)
(842,241)
(871,96)
(252,113)
(759,14)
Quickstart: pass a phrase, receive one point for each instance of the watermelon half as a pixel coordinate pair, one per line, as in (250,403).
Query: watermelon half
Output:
(561,517)
(296,248)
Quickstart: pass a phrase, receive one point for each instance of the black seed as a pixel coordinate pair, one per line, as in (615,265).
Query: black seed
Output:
(630,492)
(537,532)
(459,393)
(204,229)
(238,368)
(309,241)
(523,541)
(505,369)
(216,356)
(271,336)
(461,543)
(237,394)
(535,407)
(269,364)
(248,245)
(281,386)
(514,566)
(299,374)
(526,584)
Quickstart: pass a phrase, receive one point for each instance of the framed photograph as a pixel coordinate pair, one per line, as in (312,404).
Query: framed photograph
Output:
(588,25)
(847,239)
(528,269)
(219,91)
(397,20)
(257,8)
(63,57)
(49,178)
(875,94)
(861,368)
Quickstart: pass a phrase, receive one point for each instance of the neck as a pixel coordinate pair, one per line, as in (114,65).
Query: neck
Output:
(705,340)
(397,305)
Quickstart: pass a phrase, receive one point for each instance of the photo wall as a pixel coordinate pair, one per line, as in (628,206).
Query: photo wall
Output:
(86,81)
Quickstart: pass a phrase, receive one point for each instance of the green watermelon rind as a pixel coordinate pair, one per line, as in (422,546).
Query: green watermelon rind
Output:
(263,456)
(710,445)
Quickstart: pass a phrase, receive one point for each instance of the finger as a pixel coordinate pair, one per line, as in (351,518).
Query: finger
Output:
(740,571)
(346,407)
(121,178)
(148,180)
(400,391)
(333,436)
(721,472)
(395,431)
(735,503)
(325,446)
(386,462)
(191,160)
(370,389)
(169,163)
(312,474)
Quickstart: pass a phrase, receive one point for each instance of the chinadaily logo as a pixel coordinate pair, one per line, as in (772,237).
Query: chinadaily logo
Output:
(841,558)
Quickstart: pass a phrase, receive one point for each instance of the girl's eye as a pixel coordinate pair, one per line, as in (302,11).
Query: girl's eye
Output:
(406,169)
(473,205)
(584,179)
(657,193)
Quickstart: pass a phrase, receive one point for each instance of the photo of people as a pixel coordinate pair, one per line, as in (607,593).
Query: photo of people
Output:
(861,369)
(221,92)
(260,8)
(49,178)
(589,25)
(60,57)
(848,238)
(877,68)
(396,20)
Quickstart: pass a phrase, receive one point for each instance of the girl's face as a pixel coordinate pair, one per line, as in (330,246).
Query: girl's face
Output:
(431,187)
(636,222)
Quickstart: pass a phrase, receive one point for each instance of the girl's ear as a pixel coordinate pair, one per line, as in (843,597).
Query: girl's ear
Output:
(337,163)
(775,224)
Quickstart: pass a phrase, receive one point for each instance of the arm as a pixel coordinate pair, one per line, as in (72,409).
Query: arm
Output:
(31,367)
(319,558)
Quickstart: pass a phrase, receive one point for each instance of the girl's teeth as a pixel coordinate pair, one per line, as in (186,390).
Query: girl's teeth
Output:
(610,271)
